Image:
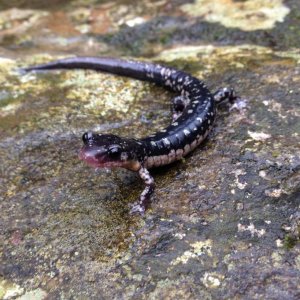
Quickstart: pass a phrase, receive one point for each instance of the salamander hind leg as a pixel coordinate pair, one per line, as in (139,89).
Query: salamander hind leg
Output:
(178,105)
(225,93)
(144,200)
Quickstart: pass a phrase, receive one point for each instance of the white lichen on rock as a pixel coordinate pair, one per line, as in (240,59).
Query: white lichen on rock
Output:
(198,249)
(251,228)
(212,280)
(246,15)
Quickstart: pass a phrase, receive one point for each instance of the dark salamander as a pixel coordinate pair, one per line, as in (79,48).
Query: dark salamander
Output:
(193,117)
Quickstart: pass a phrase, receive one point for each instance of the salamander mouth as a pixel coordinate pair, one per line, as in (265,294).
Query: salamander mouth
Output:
(97,158)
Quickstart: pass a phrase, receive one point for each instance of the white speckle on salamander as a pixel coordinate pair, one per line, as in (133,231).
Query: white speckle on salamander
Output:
(166,141)
(186,132)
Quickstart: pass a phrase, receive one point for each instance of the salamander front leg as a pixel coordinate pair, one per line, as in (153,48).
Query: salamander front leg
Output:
(144,200)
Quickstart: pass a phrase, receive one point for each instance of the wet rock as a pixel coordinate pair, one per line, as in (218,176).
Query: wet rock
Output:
(225,220)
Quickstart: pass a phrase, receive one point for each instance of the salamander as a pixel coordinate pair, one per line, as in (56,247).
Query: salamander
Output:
(194,112)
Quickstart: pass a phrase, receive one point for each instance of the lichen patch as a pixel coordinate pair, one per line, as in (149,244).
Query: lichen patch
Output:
(259,136)
(251,228)
(212,280)
(198,249)
(246,15)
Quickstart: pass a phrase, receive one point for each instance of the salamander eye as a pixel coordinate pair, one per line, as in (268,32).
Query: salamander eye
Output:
(87,137)
(114,152)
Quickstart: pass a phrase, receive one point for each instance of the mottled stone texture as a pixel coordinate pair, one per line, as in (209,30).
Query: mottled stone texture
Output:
(225,221)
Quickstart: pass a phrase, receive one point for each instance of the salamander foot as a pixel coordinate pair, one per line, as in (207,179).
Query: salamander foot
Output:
(225,93)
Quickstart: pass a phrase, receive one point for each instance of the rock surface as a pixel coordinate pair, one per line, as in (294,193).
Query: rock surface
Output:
(224,223)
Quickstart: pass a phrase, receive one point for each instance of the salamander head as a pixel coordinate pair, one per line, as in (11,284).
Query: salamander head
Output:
(108,150)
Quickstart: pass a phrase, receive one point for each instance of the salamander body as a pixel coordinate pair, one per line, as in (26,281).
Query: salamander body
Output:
(194,112)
